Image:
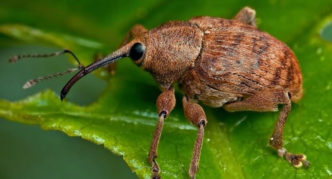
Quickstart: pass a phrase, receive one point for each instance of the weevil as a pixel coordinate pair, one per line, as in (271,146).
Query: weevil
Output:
(215,61)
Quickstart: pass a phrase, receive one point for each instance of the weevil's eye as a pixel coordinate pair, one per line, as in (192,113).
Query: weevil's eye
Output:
(136,51)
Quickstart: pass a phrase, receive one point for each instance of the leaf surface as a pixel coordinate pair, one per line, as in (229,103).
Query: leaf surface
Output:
(123,118)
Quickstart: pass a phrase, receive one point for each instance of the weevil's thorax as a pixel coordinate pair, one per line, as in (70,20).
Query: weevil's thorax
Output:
(171,49)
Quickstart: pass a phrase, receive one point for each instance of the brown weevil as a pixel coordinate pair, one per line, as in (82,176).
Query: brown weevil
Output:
(215,61)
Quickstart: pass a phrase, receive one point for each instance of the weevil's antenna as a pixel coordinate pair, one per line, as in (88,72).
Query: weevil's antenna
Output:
(16,58)
(33,82)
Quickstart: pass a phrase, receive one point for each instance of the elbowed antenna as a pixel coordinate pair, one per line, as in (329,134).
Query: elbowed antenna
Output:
(33,82)
(16,58)
(84,71)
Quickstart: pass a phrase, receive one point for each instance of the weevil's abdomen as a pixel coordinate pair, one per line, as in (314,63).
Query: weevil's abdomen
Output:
(237,61)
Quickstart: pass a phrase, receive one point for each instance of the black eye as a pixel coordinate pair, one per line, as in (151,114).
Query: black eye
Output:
(136,51)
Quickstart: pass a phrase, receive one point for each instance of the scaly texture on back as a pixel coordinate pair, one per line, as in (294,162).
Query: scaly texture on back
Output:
(239,58)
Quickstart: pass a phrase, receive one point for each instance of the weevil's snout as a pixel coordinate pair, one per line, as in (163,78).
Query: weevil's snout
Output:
(134,49)
(86,70)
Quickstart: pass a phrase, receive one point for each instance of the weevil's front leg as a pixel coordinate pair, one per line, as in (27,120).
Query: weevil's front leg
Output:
(246,15)
(165,104)
(196,115)
(276,141)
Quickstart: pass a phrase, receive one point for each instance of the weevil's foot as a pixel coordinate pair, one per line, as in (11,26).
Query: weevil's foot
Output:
(156,176)
(297,160)
(155,170)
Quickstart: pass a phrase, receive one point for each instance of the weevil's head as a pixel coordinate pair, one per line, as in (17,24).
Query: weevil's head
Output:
(166,52)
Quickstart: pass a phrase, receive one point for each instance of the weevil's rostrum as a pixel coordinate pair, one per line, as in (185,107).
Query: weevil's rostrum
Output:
(215,61)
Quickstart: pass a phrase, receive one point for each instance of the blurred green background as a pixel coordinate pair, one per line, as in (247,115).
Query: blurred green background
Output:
(29,152)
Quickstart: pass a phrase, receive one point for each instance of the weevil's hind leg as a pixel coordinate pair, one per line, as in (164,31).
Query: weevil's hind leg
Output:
(262,101)
(276,140)
(196,115)
(246,15)
(268,101)
(165,104)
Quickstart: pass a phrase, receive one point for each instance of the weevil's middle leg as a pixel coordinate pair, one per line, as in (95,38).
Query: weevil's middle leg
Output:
(246,15)
(196,115)
(165,104)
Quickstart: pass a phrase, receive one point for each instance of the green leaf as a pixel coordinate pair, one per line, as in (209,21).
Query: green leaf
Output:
(123,118)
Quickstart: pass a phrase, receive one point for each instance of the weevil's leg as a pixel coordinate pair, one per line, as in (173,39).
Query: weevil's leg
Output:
(268,101)
(165,104)
(276,140)
(196,115)
(261,101)
(136,30)
(246,15)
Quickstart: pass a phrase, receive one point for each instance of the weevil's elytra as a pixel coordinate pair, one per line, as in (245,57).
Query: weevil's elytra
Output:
(219,62)
(234,65)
